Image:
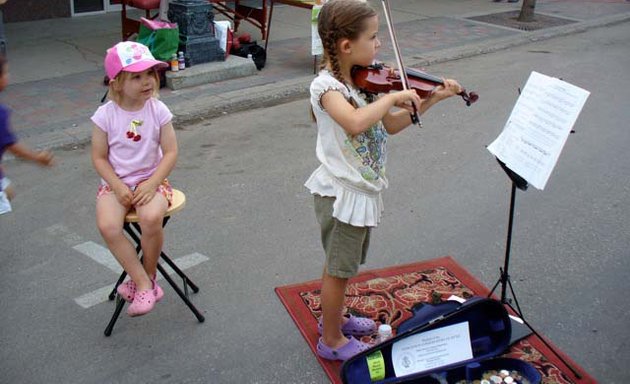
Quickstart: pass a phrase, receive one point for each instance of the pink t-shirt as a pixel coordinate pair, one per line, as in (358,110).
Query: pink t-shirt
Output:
(133,161)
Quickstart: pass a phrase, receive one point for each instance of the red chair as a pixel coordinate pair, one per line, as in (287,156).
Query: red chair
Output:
(131,26)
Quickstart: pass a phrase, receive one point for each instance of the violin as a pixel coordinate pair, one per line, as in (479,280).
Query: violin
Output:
(379,78)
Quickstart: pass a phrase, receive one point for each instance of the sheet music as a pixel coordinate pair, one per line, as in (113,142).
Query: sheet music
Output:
(535,133)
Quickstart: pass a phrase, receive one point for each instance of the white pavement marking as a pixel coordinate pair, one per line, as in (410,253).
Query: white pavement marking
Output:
(184,262)
(64,232)
(101,295)
(95,297)
(99,254)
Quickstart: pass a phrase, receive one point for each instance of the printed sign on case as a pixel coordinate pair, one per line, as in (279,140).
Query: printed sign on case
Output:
(432,349)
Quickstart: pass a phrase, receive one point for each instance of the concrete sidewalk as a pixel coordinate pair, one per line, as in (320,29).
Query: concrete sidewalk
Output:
(56,65)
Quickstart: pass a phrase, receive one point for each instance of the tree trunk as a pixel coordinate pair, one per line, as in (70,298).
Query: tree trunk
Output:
(527,11)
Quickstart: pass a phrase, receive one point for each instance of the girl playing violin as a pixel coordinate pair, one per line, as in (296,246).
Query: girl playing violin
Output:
(352,130)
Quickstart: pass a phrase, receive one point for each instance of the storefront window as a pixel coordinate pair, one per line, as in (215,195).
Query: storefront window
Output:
(84,6)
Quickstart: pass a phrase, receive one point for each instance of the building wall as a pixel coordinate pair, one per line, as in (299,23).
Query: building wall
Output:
(24,10)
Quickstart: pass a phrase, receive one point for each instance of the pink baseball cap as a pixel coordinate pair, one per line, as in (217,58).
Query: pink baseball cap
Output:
(131,57)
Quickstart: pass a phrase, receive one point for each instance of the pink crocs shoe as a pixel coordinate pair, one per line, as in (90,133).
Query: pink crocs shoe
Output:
(143,303)
(157,291)
(127,290)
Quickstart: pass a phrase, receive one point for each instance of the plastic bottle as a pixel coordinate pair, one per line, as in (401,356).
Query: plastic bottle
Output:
(384,333)
(181,61)
(174,63)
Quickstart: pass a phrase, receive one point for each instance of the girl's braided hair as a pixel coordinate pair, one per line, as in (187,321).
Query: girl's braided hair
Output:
(340,19)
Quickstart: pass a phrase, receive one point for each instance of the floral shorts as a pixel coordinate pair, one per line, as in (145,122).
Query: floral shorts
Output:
(165,189)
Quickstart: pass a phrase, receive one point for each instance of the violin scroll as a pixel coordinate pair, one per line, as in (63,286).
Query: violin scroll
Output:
(469,98)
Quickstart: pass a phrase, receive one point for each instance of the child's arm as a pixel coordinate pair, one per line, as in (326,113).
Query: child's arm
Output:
(168,142)
(100,151)
(44,158)
(395,122)
(357,120)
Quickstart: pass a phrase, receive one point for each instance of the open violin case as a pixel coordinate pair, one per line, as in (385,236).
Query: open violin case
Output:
(422,341)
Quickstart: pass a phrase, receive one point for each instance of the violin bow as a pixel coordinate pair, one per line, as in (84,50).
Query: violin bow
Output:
(415,119)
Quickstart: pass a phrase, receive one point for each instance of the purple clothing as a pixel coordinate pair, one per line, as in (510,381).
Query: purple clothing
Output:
(133,161)
(6,136)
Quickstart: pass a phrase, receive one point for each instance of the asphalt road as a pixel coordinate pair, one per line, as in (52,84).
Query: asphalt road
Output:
(249,226)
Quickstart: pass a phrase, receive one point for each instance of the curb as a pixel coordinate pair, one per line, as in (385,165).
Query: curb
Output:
(268,95)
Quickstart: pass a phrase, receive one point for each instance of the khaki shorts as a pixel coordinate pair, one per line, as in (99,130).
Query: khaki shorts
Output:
(345,245)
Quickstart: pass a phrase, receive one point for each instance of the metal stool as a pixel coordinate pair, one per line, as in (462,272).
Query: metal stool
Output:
(132,228)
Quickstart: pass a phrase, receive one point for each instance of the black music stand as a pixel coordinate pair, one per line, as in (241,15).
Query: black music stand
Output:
(519,330)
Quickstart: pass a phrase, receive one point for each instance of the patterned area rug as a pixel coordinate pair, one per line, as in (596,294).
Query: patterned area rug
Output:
(387,296)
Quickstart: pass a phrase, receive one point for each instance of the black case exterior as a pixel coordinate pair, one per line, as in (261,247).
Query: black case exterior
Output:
(490,332)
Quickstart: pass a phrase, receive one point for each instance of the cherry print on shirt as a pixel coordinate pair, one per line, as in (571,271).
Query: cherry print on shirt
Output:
(132,133)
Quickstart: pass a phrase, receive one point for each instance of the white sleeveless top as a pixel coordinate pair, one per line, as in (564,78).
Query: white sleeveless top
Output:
(352,167)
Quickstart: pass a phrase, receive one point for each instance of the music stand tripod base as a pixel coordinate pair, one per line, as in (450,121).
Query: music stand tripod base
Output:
(504,279)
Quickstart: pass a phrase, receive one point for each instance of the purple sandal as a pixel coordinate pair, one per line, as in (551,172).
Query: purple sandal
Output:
(351,348)
(355,326)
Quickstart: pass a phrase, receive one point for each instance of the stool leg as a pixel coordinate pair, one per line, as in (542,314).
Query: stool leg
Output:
(136,238)
(134,231)
(112,321)
(181,274)
(181,294)
(121,302)
(120,280)
(135,235)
